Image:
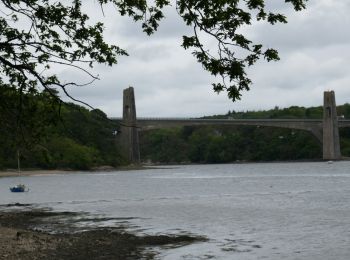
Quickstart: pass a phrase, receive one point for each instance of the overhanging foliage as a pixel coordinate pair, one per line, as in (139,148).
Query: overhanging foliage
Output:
(36,35)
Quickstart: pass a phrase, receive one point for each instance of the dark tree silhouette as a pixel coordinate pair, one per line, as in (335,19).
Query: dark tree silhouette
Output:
(37,35)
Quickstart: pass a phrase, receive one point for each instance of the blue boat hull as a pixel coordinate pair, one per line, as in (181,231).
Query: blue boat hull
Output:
(17,189)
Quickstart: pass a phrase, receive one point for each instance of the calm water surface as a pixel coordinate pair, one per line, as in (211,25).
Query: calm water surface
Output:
(247,211)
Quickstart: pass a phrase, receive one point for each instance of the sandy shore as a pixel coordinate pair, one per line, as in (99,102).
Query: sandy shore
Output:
(21,239)
(13,173)
(24,172)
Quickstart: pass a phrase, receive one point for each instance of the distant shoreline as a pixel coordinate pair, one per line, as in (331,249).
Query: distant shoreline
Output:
(14,173)
(31,172)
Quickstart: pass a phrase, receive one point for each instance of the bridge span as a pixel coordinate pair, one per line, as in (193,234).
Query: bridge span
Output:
(325,130)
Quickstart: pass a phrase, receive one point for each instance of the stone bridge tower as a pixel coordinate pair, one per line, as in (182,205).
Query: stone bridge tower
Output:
(331,145)
(128,137)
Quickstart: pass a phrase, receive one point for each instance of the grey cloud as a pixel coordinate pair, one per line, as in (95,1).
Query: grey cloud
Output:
(171,26)
(314,49)
(318,26)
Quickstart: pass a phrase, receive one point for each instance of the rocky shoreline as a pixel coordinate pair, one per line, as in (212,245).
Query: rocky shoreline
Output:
(20,239)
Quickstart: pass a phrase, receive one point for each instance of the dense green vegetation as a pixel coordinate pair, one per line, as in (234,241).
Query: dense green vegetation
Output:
(228,144)
(245,143)
(50,135)
(285,113)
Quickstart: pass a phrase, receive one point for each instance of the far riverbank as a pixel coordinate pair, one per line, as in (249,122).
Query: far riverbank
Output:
(32,172)
(133,167)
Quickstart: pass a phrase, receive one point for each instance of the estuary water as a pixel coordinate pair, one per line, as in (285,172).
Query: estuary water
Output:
(247,211)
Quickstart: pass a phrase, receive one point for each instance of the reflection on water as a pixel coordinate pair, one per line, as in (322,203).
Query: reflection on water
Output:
(247,211)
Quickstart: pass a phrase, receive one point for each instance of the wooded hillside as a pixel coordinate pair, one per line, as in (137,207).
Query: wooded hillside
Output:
(51,135)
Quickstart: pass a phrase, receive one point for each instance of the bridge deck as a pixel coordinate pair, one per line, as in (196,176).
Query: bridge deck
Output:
(307,124)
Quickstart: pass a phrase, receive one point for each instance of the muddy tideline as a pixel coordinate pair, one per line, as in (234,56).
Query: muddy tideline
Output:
(22,238)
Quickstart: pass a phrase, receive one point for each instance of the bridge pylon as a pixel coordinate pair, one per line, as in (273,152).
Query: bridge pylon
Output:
(128,138)
(331,144)
(326,130)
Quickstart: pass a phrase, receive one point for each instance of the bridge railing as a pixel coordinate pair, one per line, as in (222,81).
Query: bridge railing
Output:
(218,120)
(342,122)
(159,118)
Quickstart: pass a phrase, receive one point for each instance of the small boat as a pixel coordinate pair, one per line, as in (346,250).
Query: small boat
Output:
(19,188)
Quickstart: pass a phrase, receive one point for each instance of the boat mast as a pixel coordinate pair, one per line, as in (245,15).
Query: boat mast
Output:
(18,162)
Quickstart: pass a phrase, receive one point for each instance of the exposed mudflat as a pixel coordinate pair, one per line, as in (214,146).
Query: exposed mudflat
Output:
(19,239)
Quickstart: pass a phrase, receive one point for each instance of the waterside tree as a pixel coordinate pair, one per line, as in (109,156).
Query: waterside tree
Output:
(37,36)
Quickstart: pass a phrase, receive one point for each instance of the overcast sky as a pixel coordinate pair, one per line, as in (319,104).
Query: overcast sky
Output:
(315,56)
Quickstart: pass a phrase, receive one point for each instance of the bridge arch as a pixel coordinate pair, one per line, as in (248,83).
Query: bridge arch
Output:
(325,130)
